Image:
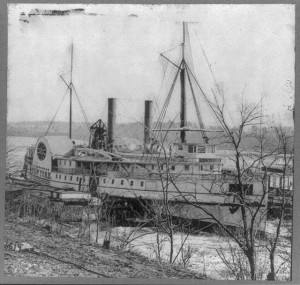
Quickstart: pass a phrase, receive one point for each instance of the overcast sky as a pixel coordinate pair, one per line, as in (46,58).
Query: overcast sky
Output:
(116,54)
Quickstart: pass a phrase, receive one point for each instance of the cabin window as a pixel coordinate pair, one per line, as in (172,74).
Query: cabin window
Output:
(190,149)
(173,167)
(152,167)
(131,183)
(113,181)
(272,182)
(64,162)
(71,177)
(56,176)
(281,184)
(77,178)
(200,167)
(122,182)
(65,177)
(59,176)
(180,147)
(211,167)
(186,167)
(69,163)
(201,149)
(142,183)
(104,180)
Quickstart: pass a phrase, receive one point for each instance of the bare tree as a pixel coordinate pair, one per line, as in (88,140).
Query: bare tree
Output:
(161,211)
(247,171)
(282,197)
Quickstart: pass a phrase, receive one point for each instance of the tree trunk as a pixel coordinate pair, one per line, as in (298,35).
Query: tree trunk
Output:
(250,255)
(171,245)
(271,275)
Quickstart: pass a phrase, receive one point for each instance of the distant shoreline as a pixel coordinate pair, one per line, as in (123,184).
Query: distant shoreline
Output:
(40,134)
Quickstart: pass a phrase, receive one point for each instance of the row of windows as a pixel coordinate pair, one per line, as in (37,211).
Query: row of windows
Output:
(64,162)
(277,182)
(193,149)
(59,176)
(36,167)
(209,159)
(122,182)
(187,167)
(41,173)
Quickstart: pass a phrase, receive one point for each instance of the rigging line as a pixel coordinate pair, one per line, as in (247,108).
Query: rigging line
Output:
(178,45)
(169,60)
(162,80)
(207,101)
(64,81)
(82,109)
(56,112)
(165,67)
(211,71)
(84,115)
(163,113)
(201,125)
(215,80)
(172,122)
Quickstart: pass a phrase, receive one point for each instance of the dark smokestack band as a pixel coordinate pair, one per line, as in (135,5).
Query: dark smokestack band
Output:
(147,121)
(111,122)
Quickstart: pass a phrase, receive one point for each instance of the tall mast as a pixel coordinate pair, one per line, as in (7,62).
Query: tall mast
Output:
(71,87)
(183,121)
(183,39)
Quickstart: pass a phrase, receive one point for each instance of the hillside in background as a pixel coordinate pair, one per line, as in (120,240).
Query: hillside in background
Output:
(131,134)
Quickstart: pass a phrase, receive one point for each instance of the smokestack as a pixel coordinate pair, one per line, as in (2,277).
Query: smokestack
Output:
(111,122)
(147,121)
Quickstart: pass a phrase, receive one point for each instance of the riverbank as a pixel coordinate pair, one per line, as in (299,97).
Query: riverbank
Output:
(44,253)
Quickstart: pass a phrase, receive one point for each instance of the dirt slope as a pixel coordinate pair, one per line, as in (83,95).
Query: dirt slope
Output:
(60,255)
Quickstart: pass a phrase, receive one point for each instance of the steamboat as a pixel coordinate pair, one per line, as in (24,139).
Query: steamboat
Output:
(189,176)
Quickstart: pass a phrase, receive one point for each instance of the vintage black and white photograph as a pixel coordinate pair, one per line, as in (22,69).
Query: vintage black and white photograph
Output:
(150,141)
